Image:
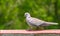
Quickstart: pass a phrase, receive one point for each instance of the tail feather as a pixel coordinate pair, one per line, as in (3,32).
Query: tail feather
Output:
(51,23)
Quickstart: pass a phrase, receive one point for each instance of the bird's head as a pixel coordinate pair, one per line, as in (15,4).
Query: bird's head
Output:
(27,14)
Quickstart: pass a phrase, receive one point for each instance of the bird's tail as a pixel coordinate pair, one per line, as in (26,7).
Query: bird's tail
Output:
(51,23)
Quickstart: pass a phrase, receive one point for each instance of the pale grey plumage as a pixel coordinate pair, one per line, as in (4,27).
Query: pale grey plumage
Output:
(37,22)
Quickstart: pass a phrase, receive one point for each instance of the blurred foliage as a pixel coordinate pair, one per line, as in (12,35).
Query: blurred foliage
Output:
(12,12)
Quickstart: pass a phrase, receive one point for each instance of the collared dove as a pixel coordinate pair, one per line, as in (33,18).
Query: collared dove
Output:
(31,21)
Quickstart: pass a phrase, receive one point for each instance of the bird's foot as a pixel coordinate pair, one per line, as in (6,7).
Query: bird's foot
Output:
(29,29)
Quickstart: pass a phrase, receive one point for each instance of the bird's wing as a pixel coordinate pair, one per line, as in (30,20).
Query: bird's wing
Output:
(36,21)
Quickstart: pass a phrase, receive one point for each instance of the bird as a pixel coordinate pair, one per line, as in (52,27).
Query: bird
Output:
(35,22)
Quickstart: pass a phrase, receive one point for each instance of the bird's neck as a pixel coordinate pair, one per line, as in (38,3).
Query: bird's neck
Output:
(28,17)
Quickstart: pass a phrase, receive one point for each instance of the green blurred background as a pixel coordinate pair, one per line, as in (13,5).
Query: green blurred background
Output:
(12,12)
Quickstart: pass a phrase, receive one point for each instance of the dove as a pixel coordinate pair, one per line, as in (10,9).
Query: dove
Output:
(31,21)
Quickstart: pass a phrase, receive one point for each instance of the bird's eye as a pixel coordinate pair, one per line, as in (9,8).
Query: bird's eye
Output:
(26,14)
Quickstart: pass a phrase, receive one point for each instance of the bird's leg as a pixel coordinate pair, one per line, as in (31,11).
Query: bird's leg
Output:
(41,28)
(30,28)
(37,28)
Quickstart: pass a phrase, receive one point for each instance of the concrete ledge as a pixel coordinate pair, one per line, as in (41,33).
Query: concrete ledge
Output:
(30,32)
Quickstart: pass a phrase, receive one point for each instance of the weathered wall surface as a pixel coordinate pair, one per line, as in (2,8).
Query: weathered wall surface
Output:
(30,34)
